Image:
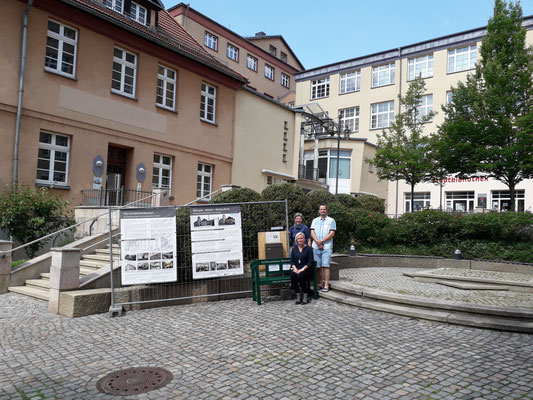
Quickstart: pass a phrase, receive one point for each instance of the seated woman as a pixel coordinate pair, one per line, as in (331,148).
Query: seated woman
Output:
(302,268)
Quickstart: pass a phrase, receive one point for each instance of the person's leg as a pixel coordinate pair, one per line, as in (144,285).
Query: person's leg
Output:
(294,281)
(326,261)
(318,258)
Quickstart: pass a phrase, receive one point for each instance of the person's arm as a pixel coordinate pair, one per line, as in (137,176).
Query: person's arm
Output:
(293,260)
(310,257)
(329,236)
(307,233)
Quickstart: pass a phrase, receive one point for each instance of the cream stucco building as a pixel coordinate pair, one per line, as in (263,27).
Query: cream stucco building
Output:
(362,94)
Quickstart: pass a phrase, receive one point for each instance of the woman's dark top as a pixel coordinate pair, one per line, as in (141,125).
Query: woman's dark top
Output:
(303,258)
(294,230)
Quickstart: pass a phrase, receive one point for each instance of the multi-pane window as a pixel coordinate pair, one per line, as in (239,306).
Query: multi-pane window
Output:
(52,159)
(269,72)
(61,44)
(350,82)
(162,176)
(251,62)
(426,105)
(381,115)
(116,5)
(124,72)
(138,13)
(420,67)
(383,75)
(283,56)
(320,88)
(449,97)
(285,80)
(204,180)
(421,201)
(272,50)
(211,41)
(344,164)
(349,118)
(208,103)
(462,59)
(166,87)
(232,52)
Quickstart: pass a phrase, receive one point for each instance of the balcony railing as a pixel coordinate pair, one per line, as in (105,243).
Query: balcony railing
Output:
(312,174)
(115,197)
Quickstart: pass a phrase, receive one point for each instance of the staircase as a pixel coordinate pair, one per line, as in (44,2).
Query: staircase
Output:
(89,263)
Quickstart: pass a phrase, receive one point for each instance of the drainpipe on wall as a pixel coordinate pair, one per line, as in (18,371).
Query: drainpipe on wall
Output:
(399,93)
(21,92)
(185,16)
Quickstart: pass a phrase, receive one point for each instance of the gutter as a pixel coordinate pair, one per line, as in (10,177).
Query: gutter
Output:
(21,92)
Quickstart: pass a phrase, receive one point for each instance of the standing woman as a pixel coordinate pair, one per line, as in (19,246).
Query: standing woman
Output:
(299,226)
(302,269)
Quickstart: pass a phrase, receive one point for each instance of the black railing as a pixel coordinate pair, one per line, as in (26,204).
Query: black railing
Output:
(115,197)
(312,174)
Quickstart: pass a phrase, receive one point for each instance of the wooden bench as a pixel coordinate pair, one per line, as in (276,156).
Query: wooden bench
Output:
(276,271)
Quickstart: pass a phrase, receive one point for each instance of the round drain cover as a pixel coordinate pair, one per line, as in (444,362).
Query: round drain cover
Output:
(132,381)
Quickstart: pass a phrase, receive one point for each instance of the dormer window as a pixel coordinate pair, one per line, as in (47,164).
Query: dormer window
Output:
(138,13)
(116,5)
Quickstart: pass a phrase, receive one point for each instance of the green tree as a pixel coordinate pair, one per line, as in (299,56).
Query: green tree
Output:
(403,149)
(28,214)
(488,125)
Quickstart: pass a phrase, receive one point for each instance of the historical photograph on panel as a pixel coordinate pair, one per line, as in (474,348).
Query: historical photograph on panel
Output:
(216,241)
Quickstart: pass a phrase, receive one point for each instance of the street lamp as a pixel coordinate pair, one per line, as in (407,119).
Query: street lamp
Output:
(346,132)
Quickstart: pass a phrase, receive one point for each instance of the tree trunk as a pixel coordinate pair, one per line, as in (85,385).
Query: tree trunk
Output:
(412,197)
(512,195)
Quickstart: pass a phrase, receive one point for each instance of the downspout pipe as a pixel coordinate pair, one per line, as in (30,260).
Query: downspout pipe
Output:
(399,110)
(21,91)
(185,16)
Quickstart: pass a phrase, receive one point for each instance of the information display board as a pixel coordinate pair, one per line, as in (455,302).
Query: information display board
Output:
(216,241)
(148,245)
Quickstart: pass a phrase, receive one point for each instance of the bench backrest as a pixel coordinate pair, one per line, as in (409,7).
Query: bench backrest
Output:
(273,267)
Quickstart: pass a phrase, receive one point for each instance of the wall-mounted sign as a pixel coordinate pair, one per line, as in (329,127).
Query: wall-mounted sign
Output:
(97,182)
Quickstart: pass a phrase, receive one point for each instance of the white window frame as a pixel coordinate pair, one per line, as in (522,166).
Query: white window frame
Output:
(251,62)
(320,88)
(61,41)
(206,99)
(115,5)
(123,65)
(426,106)
(421,199)
(53,148)
(467,53)
(387,115)
(232,52)
(349,117)
(285,80)
(136,15)
(211,41)
(269,72)
(164,83)
(201,176)
(420,66)
(161,165)
(449,97)
(350,82)
(383,75)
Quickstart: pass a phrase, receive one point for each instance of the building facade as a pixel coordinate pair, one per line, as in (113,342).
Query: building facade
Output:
(266,61)
(361,94)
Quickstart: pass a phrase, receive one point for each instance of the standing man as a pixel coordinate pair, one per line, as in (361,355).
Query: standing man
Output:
(322,231)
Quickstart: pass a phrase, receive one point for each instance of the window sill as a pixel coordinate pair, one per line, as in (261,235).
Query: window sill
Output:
(318,98)
(54,72)
(208,122)
(113,91)
(350,92)
(52,186)
(423,77)
(380,129)
(166,108)
(458,72)
(380,86)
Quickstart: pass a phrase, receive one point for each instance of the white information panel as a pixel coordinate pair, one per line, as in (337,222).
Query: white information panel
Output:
(148,245)
(216,241)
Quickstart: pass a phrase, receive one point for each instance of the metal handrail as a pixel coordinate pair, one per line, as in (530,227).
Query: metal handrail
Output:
(3,253)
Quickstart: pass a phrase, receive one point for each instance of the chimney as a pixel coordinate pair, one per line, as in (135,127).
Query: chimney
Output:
(260,33)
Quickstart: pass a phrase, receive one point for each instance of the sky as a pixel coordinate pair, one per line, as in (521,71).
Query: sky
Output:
(325,32)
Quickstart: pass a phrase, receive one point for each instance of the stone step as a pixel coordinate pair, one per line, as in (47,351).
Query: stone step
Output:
(472,285)
(99,257)
(93,264)
(86,271)
(45,276)
(517,320)
(39,283)
(34,292)
(106,251)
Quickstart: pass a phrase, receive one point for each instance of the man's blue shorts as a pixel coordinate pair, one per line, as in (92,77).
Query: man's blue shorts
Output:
(322,257)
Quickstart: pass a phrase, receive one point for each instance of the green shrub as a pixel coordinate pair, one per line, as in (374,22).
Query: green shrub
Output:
(240,195)
(370,203)
(371,228)
(28,214)
(508,226)
(313,199)
(281,191)
(345,221)
(346,200)
(425,227)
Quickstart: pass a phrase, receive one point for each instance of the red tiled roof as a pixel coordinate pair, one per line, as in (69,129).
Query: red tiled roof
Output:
(168,32)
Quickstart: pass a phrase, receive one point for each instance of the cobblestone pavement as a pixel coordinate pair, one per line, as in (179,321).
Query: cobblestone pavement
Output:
(238,350)
(472,273)
(392,280)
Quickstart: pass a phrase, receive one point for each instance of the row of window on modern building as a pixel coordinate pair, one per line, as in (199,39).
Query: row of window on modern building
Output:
(252,63)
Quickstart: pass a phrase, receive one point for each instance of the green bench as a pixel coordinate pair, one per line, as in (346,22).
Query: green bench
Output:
(276,271)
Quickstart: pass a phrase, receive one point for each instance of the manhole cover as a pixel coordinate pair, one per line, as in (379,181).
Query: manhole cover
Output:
(132,381)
